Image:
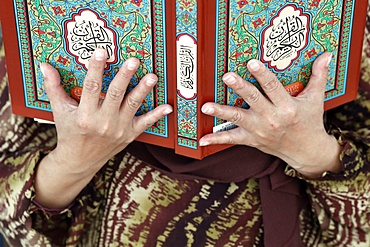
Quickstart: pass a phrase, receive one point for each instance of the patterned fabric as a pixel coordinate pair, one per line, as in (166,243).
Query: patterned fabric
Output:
(128,203)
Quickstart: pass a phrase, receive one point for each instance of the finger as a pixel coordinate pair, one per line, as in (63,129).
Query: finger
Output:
(231,137)
(269,83)
(247,91)
(232,114)
(59,99)
(93,82)
(118,86)
(319,76)
(135,98)
(143,122)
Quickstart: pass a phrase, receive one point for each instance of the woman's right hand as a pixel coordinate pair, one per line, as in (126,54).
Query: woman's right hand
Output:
(92,131)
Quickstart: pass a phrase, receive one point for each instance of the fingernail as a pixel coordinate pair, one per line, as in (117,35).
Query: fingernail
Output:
(167,111)
(329,60)
(42,70)
(229,79)
(150,81)
(99,54)
(132,65)
(253,65)
(208,110)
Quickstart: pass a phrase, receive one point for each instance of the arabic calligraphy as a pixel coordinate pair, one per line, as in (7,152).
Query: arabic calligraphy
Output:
(87,36)
(286,37)
(186,49)
(186,67)
(86,32)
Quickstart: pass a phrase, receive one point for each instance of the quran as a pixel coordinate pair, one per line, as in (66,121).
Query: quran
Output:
(189,45)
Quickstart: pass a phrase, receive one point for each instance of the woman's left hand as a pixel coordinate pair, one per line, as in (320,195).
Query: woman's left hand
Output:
(276,123)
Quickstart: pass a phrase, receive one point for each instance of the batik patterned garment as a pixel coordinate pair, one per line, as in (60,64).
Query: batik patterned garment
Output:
(129,203)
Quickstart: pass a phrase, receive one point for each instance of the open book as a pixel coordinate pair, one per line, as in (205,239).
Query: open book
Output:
(189,44)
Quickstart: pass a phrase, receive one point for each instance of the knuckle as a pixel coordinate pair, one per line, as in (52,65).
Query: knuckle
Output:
(253,97)
(274,123)
(103,129)
(281,120)
(92,84)
(131,103)
(107,130)
(119,134)
(290,114)
(83,124)
(291,111)
(271,85)
(115,93)
(236,117)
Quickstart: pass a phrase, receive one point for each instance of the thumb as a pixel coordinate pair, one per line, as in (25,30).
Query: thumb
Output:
(319,76)
(59,99)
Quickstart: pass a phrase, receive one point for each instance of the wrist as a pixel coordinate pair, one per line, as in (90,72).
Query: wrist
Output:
(325,158)
(73,165)
(57,187)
